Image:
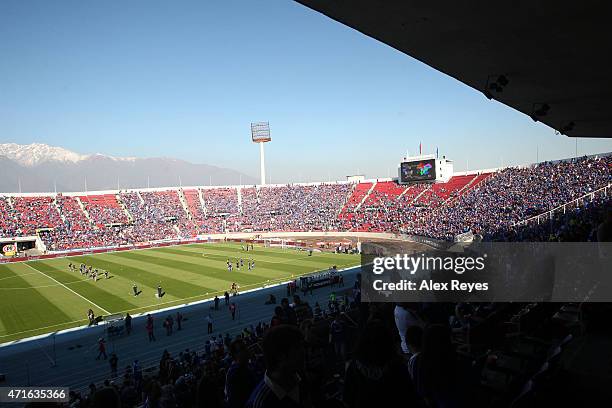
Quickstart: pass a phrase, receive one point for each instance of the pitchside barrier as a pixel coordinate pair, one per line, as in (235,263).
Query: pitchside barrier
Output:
(255,238)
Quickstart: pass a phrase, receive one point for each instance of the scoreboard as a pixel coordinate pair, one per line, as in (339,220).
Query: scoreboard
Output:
(425,168)
(415,171)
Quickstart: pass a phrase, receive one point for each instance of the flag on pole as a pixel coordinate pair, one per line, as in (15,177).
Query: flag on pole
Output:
(437,155)
(420,148)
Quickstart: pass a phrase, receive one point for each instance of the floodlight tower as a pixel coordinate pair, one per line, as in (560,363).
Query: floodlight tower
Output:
(260,133)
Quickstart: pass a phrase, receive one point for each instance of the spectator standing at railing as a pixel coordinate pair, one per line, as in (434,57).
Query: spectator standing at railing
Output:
(232,309)
(209,323)
(101,348)
(168,324)
(150,328)
(290,316)
(179,320)
(128,323)
(113,361)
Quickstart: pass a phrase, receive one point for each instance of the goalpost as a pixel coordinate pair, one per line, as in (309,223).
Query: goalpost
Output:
(275,242)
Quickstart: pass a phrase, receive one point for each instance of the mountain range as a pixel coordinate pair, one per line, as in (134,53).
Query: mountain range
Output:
(42,168)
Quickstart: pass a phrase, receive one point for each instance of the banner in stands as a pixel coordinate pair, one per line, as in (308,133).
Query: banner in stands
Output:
(9,249)
(488,272)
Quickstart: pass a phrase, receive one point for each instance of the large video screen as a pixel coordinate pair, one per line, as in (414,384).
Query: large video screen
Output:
(423,170)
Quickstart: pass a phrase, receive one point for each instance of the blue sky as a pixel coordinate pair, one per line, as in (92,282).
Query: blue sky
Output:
(185,79)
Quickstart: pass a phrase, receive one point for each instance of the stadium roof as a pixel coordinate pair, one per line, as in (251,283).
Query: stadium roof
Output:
(554,55)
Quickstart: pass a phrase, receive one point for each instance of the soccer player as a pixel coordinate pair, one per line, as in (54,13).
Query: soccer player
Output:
(135,289)
(106,274)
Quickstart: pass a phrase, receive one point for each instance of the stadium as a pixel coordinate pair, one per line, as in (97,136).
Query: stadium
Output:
(256,295)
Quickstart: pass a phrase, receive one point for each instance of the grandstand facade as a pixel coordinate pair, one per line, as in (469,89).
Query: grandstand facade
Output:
(488,203)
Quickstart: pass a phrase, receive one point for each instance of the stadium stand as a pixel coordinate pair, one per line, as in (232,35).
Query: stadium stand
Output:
(33,213)
(192,197)
(8,219)
(487,204)
(221,201)
(104,209)
(74,217)
(456,354)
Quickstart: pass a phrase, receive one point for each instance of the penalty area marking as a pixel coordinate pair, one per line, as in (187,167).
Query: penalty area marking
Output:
(66,287)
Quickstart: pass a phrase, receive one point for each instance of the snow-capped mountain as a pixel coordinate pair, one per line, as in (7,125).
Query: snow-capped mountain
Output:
(42,168)
(37,153)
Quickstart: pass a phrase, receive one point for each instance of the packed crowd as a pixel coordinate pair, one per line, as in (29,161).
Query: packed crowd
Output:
(293,207)
(9,225)
(513,195)
(151,217)
(74,217)
(104,209)
(349,354)
(487,204)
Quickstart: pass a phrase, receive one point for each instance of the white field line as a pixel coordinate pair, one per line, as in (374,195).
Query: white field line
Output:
(270,283)
(66,287)
(45,327)
(17,276)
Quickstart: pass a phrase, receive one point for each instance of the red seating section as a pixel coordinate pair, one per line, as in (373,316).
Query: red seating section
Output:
(104,209)
(36,212)
(73,213)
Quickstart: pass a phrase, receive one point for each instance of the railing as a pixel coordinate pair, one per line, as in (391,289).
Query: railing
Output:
(571,204)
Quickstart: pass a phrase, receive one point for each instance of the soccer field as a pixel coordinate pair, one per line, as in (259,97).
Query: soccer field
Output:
(44,296)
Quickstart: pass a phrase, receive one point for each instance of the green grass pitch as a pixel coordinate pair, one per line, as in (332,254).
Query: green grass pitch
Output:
(44,296)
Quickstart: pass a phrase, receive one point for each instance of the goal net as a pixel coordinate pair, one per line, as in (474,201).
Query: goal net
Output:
(275,242)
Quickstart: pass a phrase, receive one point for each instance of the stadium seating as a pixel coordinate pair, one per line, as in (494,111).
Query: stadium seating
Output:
(104,209)
(220,201)
(9,225)
(75,218)
(192,197)
(489,204)
(33,213)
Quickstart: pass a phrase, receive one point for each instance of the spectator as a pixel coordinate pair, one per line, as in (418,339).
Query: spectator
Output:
(150,328)
(209,321)
(240,380)
(436,368)
(405,317)
(101,348)
(113,361)
(376,373)
(128,323)
(179,320)
(282,385)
